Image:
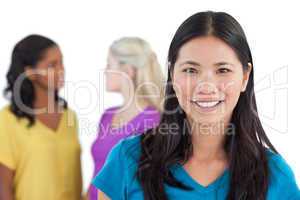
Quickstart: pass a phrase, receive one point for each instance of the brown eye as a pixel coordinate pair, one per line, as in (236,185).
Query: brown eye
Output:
(189,70)
(223,70)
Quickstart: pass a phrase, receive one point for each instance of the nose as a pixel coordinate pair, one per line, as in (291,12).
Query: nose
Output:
(61,71)
(206,88)
(61,68)
(206,83)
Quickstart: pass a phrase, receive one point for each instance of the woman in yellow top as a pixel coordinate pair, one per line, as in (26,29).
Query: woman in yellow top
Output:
(39,148)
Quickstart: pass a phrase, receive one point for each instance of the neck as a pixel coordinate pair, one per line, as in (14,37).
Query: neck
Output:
(208,140)
(131,103)
(44,99)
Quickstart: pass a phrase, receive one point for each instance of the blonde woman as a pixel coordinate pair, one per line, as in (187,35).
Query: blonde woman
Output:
(132,70)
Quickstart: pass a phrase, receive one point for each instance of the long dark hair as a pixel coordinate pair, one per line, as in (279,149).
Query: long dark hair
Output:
(26,53)
(246,148)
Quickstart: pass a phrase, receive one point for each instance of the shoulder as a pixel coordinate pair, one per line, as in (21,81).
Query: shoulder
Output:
(70,112)
(125,154)
(151,111)
(150,117)
(120,167)
(108,111)
(70,117)
(7,116)
(5,112)
(128,149)
(111,109)
(278,166)
(131,142)
(281,176)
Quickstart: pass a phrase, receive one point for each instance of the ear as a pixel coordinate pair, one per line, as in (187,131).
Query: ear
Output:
(246,77)
(29,72)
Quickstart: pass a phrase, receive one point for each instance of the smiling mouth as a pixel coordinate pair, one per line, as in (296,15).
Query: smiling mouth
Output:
(207,104)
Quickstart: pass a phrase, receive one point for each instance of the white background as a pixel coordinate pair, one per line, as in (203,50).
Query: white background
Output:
(85,29)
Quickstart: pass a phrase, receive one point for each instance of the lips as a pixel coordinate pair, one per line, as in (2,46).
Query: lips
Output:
(207,103)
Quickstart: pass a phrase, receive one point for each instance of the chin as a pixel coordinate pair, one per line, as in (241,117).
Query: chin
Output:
(207,119)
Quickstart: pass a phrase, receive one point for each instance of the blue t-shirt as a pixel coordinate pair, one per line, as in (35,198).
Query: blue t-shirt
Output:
(118,181)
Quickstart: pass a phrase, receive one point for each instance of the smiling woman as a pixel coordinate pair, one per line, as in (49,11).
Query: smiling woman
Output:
(219,149)
(208,79)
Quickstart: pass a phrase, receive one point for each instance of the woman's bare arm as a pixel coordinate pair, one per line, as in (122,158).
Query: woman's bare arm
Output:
(6,183)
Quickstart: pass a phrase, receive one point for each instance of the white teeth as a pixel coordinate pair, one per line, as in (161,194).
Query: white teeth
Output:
(207,104)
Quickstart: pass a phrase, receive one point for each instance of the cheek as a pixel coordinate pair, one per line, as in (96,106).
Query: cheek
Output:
(112,80)
(184,88)
(232,92)
(45,79)
(58,77)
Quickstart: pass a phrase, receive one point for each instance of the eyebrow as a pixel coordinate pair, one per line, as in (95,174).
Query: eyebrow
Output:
(190,62)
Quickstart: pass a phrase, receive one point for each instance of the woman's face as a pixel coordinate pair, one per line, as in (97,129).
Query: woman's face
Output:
(49,71)
(118,77)
(112,74)
(208,79)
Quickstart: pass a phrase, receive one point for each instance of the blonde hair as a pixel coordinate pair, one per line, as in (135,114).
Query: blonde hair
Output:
(137,52)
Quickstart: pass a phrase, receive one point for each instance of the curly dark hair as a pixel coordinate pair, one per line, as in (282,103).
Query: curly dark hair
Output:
(26,53)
